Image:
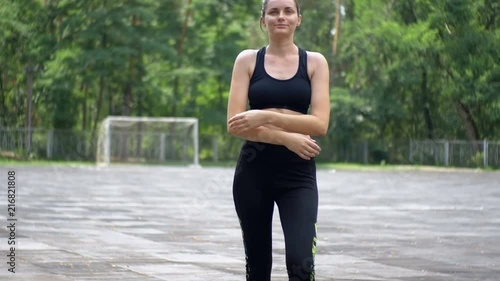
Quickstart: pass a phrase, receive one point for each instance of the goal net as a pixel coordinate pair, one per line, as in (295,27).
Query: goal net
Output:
(124,139)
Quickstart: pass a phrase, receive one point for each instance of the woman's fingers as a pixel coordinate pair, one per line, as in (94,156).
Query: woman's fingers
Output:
(242,121)
(314,146)
(311,154)
(239,128)
(237,124)
(304,156)
(235,120)
(312,149)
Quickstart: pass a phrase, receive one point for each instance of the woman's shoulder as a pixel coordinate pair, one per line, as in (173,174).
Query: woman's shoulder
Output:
(246,58)
(316,62)
(315,57)
(247,55)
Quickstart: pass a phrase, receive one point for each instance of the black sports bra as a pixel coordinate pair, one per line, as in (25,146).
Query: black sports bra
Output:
(268,92)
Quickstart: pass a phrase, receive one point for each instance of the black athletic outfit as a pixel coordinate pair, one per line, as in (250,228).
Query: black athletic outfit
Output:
(267,173)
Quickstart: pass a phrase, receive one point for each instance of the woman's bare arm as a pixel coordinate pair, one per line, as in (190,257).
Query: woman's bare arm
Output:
(315,123)
(301,144)
(238,99)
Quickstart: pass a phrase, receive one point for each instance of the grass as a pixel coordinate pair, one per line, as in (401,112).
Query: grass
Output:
(4,161)
(387,167)
(354,166)
(10,162)
(17,162)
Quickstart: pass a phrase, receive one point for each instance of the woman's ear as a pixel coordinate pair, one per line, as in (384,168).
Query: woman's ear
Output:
(300,20)
(263,21)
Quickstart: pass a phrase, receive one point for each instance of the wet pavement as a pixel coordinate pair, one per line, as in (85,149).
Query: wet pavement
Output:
(164,223)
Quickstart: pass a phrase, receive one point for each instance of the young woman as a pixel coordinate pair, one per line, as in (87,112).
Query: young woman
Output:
(288,92)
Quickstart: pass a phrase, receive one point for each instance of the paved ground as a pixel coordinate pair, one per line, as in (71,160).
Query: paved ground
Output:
(156,223)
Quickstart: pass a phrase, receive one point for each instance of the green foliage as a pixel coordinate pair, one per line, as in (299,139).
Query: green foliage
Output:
(404,69)
(414,62)
(477,160)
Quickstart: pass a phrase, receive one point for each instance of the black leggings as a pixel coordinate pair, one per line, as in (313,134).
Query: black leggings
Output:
(266,174)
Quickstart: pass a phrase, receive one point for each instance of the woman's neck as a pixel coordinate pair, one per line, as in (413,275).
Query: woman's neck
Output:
(281,47)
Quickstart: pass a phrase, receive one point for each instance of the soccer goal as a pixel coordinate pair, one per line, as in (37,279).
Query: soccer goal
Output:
(169,140)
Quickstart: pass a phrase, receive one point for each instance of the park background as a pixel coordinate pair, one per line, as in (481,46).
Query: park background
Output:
(412,82)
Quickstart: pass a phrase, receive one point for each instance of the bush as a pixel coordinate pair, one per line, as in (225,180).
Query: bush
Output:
(477,160)
(380,156)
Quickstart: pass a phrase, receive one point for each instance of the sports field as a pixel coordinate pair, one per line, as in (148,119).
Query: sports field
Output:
(172,223)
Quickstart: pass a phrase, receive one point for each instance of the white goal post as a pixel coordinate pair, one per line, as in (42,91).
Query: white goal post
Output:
(127,139)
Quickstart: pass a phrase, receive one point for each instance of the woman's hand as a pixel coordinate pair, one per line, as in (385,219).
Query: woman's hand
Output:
(248,120)
(303,145)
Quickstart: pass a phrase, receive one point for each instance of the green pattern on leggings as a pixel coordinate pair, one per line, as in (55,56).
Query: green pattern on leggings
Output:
(314,250)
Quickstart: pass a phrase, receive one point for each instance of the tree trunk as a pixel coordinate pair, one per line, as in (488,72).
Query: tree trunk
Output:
(171,130)
(180,49)
(84,118)
(29,92)
(100,94)
(469,124)
(180,46)
(3,108)
(337,28)
(426,106)
(84,106)
(111,108)
(140,126)
(127,104)
(98,111)
(127,99)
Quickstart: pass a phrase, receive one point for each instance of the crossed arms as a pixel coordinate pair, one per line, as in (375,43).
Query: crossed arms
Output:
(291,130)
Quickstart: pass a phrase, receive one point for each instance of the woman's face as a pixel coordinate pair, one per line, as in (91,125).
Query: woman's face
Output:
(281,16)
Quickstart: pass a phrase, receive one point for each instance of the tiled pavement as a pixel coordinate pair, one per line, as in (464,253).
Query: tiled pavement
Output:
(164,223)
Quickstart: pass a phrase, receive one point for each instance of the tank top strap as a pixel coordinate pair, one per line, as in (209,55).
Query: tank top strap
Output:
(259,70)
(303,63)
(261,54)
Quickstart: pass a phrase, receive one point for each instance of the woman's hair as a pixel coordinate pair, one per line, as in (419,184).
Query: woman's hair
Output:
(264,6)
